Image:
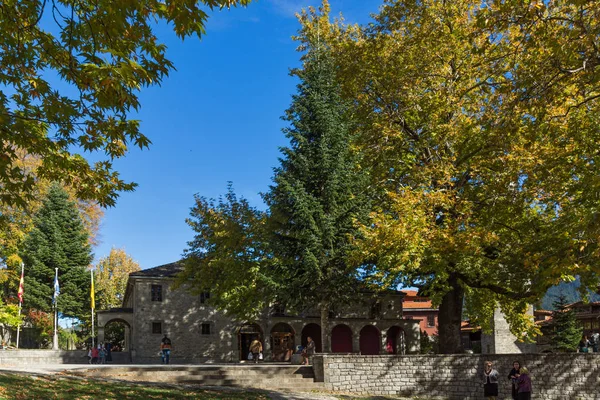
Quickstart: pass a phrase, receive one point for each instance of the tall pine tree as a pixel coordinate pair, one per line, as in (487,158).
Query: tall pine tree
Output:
(58,240)
(567,332)
(318,199)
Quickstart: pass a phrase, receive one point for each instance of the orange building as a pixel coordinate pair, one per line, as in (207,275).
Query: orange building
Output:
(420,308)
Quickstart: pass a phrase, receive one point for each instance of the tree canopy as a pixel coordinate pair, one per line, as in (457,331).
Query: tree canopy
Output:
(110,278)
(71,72)
(479,121)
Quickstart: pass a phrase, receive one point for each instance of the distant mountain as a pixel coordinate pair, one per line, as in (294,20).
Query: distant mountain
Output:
(569,290)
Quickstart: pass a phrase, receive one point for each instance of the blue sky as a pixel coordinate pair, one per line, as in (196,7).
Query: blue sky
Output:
(216,119)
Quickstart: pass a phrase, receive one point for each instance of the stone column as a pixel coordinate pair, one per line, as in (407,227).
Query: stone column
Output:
(100,337)
(355,339)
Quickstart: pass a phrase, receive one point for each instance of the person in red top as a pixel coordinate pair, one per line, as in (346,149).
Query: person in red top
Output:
(94,355)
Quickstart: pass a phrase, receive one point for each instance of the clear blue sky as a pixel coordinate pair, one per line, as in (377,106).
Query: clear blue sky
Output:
(216,119)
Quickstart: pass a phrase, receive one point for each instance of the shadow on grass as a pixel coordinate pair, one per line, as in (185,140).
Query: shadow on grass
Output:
(18,386)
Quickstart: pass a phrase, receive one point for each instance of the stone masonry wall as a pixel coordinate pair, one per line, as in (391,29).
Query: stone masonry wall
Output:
(571,376)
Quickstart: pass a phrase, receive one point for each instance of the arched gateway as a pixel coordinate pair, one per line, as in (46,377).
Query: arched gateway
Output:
(115,327)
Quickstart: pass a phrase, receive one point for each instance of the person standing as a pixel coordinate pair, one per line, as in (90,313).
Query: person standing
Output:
(512,376)
(584,344)
(95,355)
(524,385)
(310,349)
(490,381)
(102,354)
(108,352)
(595,341)
(256,348)
(165,348)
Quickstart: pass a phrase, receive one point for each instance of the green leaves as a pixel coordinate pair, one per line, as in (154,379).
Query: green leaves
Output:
(71,72)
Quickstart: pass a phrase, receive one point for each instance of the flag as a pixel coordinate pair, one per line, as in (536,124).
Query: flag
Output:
(92,295)
(56,289)
(21,290)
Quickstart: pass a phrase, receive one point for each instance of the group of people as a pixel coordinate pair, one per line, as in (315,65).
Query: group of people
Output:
(100,354)
(519,377)
(593,342)
(307,352)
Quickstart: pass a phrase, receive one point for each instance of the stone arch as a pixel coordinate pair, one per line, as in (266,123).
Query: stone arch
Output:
(314,331)
(369,340)
(341,339)
(246,333)
(395,340)
(282,341)
(123,316)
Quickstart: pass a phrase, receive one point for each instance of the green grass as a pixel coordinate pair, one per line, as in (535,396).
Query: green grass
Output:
(13,386)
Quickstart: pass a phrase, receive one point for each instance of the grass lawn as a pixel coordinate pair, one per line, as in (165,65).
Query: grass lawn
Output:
(13,386)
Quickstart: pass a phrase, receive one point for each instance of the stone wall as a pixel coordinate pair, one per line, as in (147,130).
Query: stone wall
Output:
(571,376)
(42,357)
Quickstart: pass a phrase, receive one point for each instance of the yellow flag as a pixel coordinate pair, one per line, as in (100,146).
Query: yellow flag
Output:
(92,296)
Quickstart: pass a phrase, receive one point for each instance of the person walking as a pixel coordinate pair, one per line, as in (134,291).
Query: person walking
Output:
(490,381)
(524,385)
(165,348)
(256,348)
(512,376)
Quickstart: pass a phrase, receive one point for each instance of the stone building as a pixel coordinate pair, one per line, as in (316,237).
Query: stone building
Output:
(200,333)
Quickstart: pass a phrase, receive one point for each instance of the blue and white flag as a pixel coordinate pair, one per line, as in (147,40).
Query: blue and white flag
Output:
(56,288)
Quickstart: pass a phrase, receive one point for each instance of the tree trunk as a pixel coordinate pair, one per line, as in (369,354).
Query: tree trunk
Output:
(325,327)
(450,317)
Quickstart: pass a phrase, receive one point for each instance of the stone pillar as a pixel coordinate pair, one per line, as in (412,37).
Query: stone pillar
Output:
(383,346)
(127,339)
(355,339)
(502,341)
(100,337)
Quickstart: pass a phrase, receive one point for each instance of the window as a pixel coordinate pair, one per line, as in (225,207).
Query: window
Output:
(375,311)
(157,328)
(156,292)
(205,328)
(204,296)
(430,321)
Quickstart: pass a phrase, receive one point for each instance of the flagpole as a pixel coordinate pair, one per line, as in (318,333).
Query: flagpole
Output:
(20,302)
(93,305)
(55,341)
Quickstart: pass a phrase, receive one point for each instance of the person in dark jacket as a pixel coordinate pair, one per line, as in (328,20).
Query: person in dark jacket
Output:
(524,385)
(490,381)
(512,376)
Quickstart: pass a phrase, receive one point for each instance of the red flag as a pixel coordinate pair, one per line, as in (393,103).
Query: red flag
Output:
(21,291)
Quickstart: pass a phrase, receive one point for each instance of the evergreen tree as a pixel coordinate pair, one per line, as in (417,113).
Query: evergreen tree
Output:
(318,199)
(567,332)
(58,240)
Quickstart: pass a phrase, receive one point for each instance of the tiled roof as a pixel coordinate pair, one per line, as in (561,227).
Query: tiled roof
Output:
(410,303)
(162,271)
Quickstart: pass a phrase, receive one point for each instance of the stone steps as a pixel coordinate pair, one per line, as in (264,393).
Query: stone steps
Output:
(260,377)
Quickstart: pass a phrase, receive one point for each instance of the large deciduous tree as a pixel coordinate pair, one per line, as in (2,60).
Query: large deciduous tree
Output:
(480,122)
(70,75)
(111,275)
(58,240)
